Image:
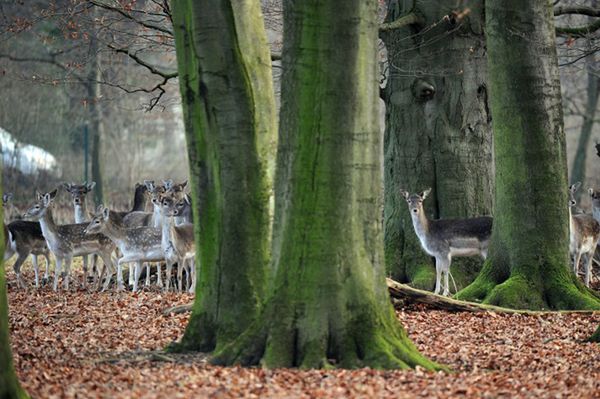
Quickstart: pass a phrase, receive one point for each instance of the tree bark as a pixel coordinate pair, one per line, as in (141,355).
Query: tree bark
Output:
(329,306)
(229,109)
(9,384)
(95,120)
(596,336)
(528,263)
(578,171)
(438,129)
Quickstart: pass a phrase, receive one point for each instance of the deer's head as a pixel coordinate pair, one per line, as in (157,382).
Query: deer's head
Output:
(415,201)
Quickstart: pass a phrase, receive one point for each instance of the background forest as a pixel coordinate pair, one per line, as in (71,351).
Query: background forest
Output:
(299,149)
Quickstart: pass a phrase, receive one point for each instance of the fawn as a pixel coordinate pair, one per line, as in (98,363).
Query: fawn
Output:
(178,243)
(67,241)
(584,233)
(137,244)
(78,194)
(445,238)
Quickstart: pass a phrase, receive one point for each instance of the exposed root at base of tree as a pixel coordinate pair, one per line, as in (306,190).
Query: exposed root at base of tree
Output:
(403,295)
(596,336)
(518,292)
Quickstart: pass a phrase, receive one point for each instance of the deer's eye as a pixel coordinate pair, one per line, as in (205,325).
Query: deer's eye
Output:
(37,207)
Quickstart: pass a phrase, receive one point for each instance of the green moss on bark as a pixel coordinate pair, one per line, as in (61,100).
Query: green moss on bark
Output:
(528,266)
(229,110)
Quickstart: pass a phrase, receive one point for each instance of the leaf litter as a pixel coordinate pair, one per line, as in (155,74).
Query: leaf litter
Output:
(87,344)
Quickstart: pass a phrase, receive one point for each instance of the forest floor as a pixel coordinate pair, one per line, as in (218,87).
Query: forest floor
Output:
(108,345)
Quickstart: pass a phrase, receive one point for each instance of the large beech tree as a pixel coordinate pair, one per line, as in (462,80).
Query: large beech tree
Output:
(329,306)
(229,109)
(438,127)
(528,264)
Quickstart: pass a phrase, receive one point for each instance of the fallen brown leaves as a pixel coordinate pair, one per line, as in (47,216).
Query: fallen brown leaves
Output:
(87,344)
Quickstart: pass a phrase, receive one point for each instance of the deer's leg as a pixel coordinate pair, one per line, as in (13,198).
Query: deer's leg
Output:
(147,283)
(168,270)
(120,286)
(576,261)
(438,274)
(67,271)
(107,265)
(57,272)
(17,268)
(131,276)
(446,284)
(159,272)
(36,270)
(47,273)
(138,271)
(180,266)
(588,268)
(193,276)
(85,269)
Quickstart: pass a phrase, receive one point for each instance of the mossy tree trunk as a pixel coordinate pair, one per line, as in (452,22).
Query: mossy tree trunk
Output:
(9,384)
(229,109)
(596,336)
(329,306)
(438,128)
(528,264)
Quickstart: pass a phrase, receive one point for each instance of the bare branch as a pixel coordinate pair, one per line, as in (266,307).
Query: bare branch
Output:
(405,20)
(581,10)
(127,15)
(151,68)
(580,31)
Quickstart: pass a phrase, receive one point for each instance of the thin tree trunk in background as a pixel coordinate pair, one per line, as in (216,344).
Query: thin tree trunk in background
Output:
(528,265)
(9,384)
(95,121)
(229,111)
(438,129)
(329,306)
(578,172)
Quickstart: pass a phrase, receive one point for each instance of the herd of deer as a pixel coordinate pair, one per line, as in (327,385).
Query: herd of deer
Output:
(447,238)
(165,235)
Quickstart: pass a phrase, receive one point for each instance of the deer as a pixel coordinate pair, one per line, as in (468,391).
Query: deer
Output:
(595,197)
(137,244)
(584,233)
(447,238)
(182,199)
(178,243)
(67,241)
(78,194)
(25,238)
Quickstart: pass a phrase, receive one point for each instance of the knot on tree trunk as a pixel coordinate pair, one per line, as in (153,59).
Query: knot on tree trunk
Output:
(423,91)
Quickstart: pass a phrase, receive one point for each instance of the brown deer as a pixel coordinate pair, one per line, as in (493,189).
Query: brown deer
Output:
(584,233)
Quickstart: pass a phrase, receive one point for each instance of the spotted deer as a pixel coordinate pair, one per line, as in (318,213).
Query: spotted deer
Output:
(67,241)
(447,238)
(25,238)
(78,195)
(156,191)
(178,243)
(182,201)
(137,244)
(584,233)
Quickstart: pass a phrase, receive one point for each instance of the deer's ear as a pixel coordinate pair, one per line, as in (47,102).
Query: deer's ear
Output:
(168,184)
(38,196)
(105,213)
(183,184)
(425,193)
(405,194)
(188,199)
(591,192)
(149,184)
(90,186)
(575,187)
(47,199)
(66,186)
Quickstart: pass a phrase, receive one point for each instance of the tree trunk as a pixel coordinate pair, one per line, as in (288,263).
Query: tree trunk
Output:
(578,171)
(438,129)
(229,109)
(329,306)
(528,264)
(9,384)
(95,124)
(596,336)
